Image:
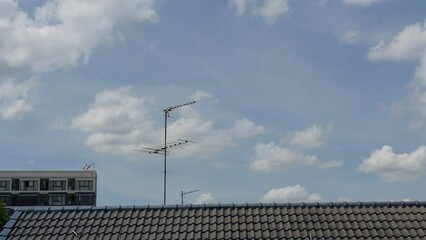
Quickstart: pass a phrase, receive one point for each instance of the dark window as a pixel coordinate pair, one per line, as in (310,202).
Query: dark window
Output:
(85,185)
(15,184)
(57,200)
(29,185)
(71,184)
(14,200)
(44,200)
(4,186)
(71,199)
(57,185)
(28,200)
(44,184)
(85,200)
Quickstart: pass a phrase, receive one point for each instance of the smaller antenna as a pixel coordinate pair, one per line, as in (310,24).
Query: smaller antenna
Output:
(87,166)
(182,193)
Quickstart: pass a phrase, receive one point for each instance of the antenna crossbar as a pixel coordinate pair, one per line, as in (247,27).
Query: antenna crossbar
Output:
(169,109)
(169,146)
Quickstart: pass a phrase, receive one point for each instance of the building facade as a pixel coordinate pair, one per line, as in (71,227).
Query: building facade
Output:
(48,188)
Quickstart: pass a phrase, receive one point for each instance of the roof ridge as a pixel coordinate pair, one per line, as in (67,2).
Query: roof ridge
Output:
(227,205)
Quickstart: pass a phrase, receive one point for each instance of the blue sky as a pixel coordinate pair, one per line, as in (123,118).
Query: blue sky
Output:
(297,100)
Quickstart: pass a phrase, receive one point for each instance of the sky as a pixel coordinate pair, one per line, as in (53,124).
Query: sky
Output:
(296,100)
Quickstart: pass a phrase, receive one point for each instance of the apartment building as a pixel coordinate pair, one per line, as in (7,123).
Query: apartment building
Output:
(48,188)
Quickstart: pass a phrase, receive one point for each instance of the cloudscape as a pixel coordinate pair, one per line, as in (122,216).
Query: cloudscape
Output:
(295,100)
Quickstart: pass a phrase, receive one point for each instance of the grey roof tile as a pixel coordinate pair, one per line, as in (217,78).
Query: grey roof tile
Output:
(250,221)
(420,232)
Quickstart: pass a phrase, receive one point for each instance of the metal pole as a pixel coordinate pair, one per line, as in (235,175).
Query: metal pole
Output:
(181,197)
(166,112)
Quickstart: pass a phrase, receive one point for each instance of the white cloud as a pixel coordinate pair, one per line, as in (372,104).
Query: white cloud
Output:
(245,128)
(331,164)
(239,5)
(209,140)
(271,10)
(119,122)
(310,138)
(417,100)
(421,70)
(15,100)
(292,194)
(362,3)
(391,167)
(270,157)
(58,124)
(115,111)
(60,34)
(63,32)
(409,44)
(201,95)
(350,37)
(205,198)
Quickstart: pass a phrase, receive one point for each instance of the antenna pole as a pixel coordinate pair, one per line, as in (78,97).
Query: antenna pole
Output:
(167,110)
(181,197)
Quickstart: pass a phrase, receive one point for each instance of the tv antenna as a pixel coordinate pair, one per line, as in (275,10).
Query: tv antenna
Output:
(164,148)
(182,194)
(88,166)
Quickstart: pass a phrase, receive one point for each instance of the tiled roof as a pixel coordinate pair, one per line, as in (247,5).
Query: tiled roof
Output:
(384,220)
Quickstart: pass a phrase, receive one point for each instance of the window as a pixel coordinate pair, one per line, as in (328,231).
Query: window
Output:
(15,184)
(28,200)
(85,200)
(71,184)
(29,185)
(70,199)
(57,200)
(85,185)
(44,184)
(14,200)
(44,200)
(57,185)
(4,186)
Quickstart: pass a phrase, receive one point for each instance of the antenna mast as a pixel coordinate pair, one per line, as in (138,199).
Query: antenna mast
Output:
(167,111)
(171,145)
